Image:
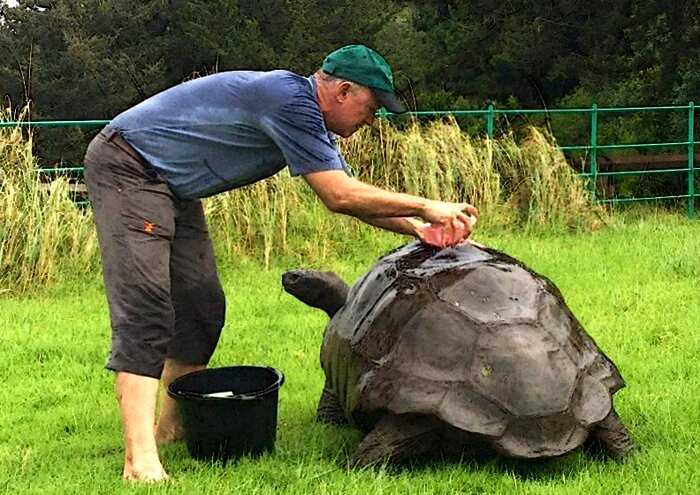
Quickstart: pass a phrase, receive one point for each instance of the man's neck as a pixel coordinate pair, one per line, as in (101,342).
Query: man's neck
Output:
(322,94)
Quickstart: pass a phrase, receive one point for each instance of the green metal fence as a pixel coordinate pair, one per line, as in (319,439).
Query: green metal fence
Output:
(490,115)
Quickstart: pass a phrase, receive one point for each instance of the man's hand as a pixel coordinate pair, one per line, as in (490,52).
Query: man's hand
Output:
(436,235)
(456,220)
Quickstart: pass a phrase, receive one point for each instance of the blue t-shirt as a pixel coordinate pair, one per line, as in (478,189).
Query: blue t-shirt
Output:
(230,129)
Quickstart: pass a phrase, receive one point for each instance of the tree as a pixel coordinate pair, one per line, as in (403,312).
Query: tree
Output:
(77,60)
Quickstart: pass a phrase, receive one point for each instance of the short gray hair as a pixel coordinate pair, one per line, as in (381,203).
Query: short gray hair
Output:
(326,77)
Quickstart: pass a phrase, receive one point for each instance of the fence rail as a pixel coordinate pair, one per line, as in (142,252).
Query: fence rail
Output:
(491,113)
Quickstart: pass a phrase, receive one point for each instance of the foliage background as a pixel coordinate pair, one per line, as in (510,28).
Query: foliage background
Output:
(95,58)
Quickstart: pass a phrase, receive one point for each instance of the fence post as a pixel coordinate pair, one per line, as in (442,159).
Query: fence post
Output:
(489,122)
(691,160)
(594,150)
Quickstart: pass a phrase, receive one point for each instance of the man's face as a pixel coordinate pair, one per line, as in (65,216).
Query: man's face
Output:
(353,107)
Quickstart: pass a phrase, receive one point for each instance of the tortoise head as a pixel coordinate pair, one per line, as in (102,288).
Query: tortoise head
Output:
(323,290)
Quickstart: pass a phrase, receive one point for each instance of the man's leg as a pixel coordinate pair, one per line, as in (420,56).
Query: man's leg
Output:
(134,215)
(137,403)
(169,427)
(199,305)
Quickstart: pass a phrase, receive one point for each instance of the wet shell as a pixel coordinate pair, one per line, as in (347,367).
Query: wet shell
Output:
(475,338)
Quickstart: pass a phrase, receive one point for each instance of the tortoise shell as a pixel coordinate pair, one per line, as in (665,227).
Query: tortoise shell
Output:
(471,336)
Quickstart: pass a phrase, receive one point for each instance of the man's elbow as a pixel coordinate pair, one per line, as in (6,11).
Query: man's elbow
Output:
(339,193)
(337,202)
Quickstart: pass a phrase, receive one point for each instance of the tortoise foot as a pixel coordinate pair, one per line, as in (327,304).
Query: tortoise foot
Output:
(612,439)
(395,438)
(329,409)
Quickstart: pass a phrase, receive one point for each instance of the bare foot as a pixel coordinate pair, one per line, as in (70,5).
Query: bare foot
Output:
(137,403)
(168,432)
(169,427)
(146,470)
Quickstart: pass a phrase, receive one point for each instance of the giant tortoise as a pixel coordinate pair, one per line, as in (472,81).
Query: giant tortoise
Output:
(444,350)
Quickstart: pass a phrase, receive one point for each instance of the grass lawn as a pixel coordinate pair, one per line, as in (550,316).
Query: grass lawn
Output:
(634,286)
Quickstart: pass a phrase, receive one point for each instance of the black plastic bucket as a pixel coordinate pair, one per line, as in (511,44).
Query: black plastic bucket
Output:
(228,412)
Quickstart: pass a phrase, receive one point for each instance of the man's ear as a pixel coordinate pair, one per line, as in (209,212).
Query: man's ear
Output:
(344,90)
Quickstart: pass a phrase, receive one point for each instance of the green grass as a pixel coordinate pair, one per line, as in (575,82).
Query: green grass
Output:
(632,285)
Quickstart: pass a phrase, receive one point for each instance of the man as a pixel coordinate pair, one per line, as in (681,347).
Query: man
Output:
(145,173)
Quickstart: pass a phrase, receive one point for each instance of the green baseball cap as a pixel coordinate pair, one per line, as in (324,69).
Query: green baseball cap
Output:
(364,66)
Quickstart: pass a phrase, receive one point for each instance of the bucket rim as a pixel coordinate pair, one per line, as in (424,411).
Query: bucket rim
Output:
(276,385)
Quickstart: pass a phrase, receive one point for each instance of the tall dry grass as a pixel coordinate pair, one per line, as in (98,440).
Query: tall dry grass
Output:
(525,184)
(42,233)
(540,189)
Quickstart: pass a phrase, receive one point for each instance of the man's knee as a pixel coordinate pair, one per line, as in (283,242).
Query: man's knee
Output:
(200,316)
(213,318)
(215,310)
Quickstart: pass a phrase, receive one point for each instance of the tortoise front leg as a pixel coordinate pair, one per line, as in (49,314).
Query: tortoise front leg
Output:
(612,438)
(397,437)
(329,408)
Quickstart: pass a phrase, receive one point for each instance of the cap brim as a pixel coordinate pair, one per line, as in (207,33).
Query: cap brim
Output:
(389,101)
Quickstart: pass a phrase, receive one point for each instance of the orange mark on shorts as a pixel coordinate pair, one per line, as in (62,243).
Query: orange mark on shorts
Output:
(148,227)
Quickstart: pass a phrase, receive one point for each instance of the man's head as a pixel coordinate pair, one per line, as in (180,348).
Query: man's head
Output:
(353,83)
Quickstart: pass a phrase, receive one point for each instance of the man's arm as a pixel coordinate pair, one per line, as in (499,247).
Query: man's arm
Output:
(343,194)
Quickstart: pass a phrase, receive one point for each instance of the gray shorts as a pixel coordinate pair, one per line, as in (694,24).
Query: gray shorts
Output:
(165,298)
